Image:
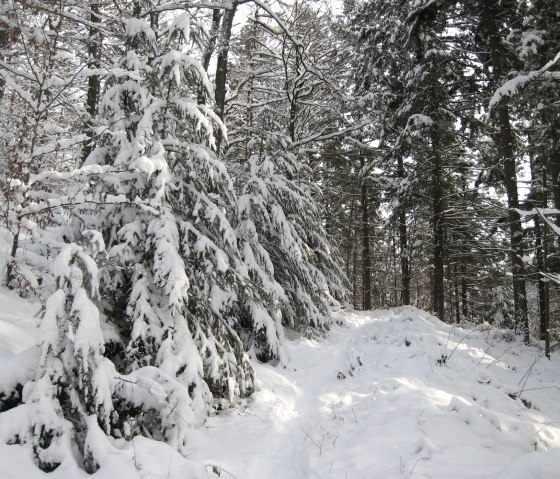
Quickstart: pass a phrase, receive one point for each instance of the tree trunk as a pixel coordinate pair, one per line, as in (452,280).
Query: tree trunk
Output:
(544,286)
(222,66)
(355,277)
(403,239)
(366,255)
(10,265)
(456,289)
(350,237)
(209,50)
(505,141)
(94,82)
(4,36)
(293,97)
(438,219)
(540,201)
(464,291)
(544,281)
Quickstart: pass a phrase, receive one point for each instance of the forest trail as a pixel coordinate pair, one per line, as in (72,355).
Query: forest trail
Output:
(387,394)
(391,394)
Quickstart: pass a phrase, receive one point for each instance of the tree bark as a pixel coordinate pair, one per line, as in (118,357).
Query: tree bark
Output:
(545,282)
(349,237)
(222,66)
(209,50)
(456,295)
(438,219)
(505,141)
(94,82)
(403,240)
(366,255)
(4,36)
(464,291)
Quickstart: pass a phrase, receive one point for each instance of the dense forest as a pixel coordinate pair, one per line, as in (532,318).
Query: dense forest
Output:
(183,183)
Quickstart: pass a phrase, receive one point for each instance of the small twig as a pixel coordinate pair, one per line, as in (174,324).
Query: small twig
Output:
(536,389)
(136,465)
(307,436)
(219,470)
(486,351)
(458,344)
(412,470)
(528,373)
(244,411)
(449,335)
(498,357)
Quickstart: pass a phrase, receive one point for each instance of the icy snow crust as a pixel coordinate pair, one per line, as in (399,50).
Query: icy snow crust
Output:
(390,394)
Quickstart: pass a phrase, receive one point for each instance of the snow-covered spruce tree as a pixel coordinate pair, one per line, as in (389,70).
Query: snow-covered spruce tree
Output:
(174,276)
(288,221)
(71,398)
(500,311)
(278,195)
(284,265)
(260,311)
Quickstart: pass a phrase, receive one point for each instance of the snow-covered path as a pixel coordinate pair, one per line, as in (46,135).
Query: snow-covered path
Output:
(390,394)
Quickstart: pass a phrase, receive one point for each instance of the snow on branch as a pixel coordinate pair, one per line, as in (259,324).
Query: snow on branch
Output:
(511,87)
(543,214)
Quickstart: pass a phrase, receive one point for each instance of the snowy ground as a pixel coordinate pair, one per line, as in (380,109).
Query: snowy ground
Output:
(392,394)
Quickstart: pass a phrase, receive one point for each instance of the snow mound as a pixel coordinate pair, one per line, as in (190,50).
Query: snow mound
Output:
(19,352)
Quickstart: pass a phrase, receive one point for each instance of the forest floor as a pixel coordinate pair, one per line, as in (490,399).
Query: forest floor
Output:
(388,394)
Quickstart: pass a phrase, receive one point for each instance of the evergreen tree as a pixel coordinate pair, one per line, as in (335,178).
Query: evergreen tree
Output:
(277,190)
(179,274)
(71,397)
(494,22)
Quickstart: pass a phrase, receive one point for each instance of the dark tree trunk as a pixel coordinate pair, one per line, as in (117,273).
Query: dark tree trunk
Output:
(505,141)
(94,82)
(403,239)
(355,289)
(10,265)
(366,255)
(545,282)
(438,219)
(209,50)
(222,66)
(464,291)
(294,98)
(349,237)
(456,296)
(405,264)
(4,36)
(538,180)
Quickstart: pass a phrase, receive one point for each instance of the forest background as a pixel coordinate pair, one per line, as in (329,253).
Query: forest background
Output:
(180,188)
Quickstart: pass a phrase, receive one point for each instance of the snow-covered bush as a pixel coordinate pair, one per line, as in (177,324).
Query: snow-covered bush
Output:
(500,312)
(74,380)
